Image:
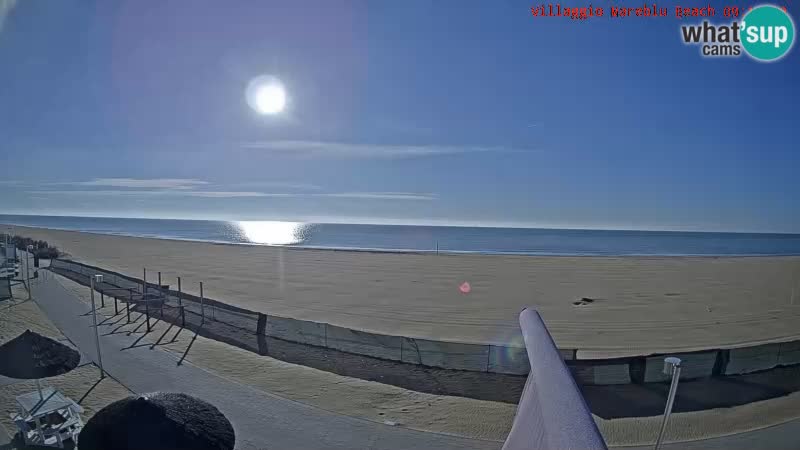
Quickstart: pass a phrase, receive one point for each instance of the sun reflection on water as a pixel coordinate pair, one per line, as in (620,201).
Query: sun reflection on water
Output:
(272,233)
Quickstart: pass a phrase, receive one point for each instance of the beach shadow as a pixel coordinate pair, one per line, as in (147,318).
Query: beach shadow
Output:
(186,352)
(642,400)
(117,330)
(136,342)
(175,338)
(144,323)
(111,324)
(106,321)
(89,391)
(158,342)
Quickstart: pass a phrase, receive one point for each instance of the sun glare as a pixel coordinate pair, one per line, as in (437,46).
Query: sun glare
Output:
(266,95)
(272,233)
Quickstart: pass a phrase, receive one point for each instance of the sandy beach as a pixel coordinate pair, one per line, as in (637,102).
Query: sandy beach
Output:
(640,304)
(363,399)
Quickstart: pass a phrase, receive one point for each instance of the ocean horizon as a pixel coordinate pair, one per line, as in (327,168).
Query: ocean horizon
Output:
(430,238)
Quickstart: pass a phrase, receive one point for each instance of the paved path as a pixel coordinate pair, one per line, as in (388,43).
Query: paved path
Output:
(779,437)
(261,420)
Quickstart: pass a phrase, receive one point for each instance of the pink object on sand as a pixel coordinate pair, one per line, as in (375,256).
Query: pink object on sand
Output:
(465,288)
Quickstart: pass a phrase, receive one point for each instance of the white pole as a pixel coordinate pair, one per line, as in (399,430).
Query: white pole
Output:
(99,279)
(672,366)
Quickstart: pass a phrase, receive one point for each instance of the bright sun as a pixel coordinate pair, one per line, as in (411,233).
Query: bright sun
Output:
(270,99)
(266,95)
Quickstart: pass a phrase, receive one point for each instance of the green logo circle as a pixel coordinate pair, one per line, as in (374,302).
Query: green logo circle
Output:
(767,33)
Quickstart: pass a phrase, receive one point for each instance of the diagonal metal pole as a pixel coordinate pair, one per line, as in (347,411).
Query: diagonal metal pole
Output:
(672,366)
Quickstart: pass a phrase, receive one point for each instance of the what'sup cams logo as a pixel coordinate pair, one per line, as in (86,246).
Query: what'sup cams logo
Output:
(765,33)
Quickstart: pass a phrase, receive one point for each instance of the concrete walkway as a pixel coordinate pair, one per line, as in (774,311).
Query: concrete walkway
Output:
(785,436)
(261,420)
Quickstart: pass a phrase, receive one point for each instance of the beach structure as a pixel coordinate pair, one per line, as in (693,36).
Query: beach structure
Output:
(45,417)
(9,267)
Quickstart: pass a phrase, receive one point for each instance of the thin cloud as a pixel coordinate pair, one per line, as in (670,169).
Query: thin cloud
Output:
(382,195)
(277,185)
(345,150)
(5,9)
(237,194)
(143,183)
(232,194)
(158,193)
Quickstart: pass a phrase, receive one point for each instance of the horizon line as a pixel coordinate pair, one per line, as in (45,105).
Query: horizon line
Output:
(421,223)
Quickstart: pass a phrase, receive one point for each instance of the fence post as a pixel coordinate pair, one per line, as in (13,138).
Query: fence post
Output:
(144,281)
(147,313)
(116,306)
(180,305)
(202,306)
(102,299)
(161,294)
(128,306)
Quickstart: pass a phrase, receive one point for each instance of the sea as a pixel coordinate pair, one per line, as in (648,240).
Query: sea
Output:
(413,238)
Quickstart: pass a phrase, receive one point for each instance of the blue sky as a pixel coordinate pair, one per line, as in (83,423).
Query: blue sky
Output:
(430,112)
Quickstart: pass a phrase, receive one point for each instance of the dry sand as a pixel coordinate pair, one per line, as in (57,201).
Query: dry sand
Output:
(444,414)
(642,304)
(82,384)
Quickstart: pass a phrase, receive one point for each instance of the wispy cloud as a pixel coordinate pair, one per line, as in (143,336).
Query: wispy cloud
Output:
(381,195)
(277,185)
(5,9)
(143,183)
(233,194)
(164,192)
(345,150)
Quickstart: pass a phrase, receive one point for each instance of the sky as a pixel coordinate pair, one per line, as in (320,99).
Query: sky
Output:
(445,112)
